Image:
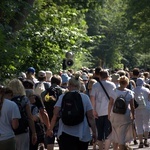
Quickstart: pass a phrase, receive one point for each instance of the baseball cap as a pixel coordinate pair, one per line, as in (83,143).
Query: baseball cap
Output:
(31,69)
(41,74)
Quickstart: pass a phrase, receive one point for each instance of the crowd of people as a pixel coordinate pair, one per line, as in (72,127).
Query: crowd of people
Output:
(38,98)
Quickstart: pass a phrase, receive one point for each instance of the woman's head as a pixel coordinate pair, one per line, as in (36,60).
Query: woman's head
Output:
(123,81)
(5,93)
(17,87)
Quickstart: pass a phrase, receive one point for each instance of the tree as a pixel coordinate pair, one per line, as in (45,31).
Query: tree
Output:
(138,13)
(107,24)
(48,33)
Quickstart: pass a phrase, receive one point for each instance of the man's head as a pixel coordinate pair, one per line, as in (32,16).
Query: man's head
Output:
(41,75)
(31,70)
(104,74)
(136,72)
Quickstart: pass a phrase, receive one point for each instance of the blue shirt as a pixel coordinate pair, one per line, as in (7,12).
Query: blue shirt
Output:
(81,130)
(9,112)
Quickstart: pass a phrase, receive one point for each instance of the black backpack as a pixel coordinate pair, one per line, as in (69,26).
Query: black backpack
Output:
(120,106)
(51,96)
(23,121)
(72,110)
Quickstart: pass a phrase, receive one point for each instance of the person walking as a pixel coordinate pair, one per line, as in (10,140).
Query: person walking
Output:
(121,123)
(22,132)
(142,112)
(76,137)
(100,102)
(9,115)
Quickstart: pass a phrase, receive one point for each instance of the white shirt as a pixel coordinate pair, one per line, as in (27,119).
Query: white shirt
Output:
(145,92)
(101,99)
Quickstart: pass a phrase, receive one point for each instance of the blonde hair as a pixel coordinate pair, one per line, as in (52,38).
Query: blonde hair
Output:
(123,80)
(75,81)
(91,82)
(17,87)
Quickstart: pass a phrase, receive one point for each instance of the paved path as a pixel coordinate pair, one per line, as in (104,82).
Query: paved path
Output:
(131,147)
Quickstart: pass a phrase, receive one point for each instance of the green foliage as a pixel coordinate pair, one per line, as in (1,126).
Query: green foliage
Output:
(108,23)
(138,13)
(110,33)
(53,31)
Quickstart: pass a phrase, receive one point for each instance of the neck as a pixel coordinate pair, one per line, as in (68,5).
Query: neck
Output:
(121,88)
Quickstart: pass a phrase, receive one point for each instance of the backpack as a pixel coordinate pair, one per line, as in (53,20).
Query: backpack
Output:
(53,93)
(39,127)
(72,110)
(120,106)
(39,88)
(139,98)
(51,96)
(23,121)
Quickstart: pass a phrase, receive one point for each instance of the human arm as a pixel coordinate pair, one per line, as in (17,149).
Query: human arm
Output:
(132,108)
(31,124)
(45,119)
(54,118)
(91,120)
(94,106)
(110,105)
(15,123)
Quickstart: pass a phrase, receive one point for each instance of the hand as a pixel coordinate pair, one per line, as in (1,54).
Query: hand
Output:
(95,114)
(49,132)
(94,136)
(34,138)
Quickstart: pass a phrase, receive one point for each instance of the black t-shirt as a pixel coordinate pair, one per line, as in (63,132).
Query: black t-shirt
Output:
(49,105)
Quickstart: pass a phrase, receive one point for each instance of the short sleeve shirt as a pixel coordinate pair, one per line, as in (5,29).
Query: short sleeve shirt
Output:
(81,130)
(9,112)
(100,96)
(128,94)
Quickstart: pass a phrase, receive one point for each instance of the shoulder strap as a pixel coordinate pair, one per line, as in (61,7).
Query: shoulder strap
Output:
(46,85)
(104,89)
(126,94)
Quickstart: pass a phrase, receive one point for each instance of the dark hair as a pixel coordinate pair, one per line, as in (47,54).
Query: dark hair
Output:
(104,74)
(56,79)
(4,91)
(28,84)
(98,70)
(136,71)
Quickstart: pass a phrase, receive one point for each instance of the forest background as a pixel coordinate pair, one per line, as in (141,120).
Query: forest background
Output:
(107,33)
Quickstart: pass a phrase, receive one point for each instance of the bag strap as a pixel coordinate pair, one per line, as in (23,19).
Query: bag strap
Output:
(104,89)
(126,94)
